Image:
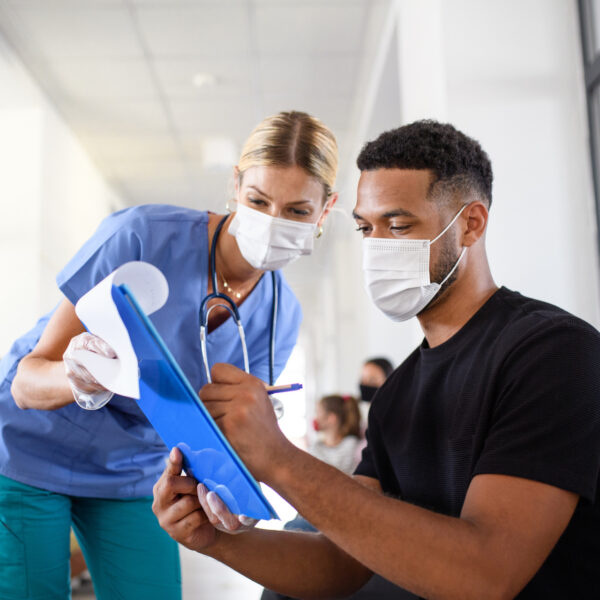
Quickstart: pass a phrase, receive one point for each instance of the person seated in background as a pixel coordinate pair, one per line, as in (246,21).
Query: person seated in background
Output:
(480,476)
(337,423)
(373,374)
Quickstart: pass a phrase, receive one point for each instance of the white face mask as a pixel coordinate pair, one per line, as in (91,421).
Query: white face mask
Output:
(397,274)
(270,243)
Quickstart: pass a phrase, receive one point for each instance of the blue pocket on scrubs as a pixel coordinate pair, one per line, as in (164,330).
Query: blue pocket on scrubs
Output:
(13,570)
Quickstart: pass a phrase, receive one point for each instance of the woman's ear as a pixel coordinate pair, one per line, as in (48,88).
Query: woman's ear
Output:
(475,218)
(331,200)
(236,180)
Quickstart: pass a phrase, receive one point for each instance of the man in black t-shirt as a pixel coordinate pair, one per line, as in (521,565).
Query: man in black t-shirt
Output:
(480,476)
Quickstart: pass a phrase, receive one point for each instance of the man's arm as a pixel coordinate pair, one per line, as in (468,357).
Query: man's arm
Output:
(507,527)
(305,565)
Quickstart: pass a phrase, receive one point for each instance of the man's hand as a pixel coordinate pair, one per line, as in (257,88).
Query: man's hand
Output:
(240,405)
(178,509)
(220,516)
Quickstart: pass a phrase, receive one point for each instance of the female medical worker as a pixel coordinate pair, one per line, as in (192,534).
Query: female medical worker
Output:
(61,466)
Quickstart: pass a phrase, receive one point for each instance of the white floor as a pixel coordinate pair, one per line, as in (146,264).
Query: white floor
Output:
(206,579)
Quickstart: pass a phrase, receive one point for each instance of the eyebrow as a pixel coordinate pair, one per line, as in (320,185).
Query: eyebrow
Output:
(400,212)
(257,189)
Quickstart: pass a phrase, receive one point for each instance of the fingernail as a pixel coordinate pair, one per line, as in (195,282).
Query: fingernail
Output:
(214,502)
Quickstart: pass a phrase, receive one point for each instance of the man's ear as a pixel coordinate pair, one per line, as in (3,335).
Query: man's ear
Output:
(474,222)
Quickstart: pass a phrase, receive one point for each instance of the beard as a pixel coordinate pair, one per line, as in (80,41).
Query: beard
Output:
(445,262)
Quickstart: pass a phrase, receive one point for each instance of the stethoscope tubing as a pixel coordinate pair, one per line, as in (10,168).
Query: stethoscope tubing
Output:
(231,306)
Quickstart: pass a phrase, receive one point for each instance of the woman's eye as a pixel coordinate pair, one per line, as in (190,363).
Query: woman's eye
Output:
(257,201)
(300,212)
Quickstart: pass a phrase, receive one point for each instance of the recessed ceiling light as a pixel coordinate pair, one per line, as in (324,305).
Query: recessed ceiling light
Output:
(200,80)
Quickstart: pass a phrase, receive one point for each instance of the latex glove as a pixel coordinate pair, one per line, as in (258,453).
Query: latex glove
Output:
(219,515)
(88,393)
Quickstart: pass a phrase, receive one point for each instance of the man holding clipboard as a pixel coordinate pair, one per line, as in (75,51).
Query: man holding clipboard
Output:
(480,475)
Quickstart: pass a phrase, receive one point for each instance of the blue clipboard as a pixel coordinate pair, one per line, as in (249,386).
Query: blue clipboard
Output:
(177,414)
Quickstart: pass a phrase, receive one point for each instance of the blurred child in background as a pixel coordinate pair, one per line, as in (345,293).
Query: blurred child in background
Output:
(337,423)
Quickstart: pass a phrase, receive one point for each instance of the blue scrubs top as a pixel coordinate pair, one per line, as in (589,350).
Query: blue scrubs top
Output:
(114,452)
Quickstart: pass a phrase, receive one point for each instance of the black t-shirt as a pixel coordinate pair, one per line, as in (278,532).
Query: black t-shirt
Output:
(515,392)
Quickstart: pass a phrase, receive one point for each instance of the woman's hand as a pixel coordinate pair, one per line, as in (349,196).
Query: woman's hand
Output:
(88,393)
(220,516)
(178,508)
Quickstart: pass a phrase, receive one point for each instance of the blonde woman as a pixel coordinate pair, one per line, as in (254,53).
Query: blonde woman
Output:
(61,466)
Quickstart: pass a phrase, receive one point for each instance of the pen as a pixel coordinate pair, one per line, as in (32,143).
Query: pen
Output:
(276,389)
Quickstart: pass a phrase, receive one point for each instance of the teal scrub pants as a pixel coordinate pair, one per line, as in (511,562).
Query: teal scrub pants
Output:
(127,553)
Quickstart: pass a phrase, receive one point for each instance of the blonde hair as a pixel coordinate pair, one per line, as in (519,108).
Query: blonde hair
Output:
(293,139)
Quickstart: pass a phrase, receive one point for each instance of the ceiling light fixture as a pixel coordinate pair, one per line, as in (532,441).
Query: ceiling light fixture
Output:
(202,80)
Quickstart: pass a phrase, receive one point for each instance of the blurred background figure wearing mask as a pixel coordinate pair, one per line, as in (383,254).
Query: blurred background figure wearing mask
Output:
(372,376)
(63,467)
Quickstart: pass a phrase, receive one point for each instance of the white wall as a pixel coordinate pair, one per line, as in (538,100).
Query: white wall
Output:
(510,75)
(515,81)
(51,199)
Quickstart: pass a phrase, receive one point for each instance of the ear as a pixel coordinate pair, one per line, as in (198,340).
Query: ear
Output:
(474,219)
(236,180)
(331,200)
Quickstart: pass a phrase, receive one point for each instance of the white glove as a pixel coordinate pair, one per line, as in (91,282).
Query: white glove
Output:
(88,393)
(220,516)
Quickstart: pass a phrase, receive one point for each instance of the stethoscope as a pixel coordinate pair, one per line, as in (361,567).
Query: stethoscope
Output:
(231,306)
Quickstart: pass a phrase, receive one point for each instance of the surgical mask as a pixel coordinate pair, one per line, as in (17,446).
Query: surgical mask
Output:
(270,243)
(397,274)
(367,392)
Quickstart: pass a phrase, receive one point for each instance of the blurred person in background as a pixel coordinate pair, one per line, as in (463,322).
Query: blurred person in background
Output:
(61,466)
(337,423)
(373,374)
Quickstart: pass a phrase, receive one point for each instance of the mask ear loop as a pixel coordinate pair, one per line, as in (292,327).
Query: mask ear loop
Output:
(435,239)
(454,267)
(463,250)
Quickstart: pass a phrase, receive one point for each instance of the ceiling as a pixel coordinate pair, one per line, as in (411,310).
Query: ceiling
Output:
(122,74)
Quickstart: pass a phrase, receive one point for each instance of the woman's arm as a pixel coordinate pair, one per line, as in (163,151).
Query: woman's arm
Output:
(41,381)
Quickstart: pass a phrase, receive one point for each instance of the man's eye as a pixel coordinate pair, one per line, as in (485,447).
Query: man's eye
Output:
(362,228)
(399,227)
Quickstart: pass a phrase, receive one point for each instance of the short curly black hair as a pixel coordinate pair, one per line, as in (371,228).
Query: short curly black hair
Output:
(458,162)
